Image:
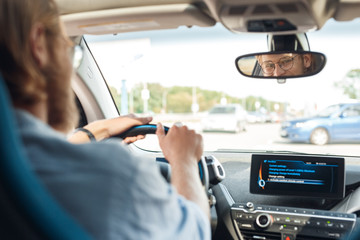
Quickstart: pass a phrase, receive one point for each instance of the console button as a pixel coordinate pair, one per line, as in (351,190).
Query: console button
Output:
(246,225)
(334,235)
(286,236)
(297,221)
(329,224)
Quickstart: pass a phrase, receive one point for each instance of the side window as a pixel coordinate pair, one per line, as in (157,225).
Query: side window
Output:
(353,111)
(357,110)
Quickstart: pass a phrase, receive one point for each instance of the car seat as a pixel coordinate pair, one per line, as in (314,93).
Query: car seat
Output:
(28,211)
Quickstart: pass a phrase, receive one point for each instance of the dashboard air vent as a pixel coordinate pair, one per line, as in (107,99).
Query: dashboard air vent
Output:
(300,237)
(253,235)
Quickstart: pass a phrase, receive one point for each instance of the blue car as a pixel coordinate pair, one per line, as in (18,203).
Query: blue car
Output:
(336,123)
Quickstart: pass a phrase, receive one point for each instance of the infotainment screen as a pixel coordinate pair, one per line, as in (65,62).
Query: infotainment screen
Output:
(310,176)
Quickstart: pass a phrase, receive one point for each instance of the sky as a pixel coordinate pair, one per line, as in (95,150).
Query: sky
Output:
(205,58)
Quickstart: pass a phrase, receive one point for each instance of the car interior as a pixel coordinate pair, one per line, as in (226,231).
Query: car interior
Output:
(272,193)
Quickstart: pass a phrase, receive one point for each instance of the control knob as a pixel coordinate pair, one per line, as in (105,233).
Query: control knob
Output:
(250,206)
(264,220)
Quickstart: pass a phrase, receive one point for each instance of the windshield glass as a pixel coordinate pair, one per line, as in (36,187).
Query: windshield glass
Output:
(179,75)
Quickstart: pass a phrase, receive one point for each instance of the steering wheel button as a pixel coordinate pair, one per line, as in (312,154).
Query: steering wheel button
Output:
(221,172)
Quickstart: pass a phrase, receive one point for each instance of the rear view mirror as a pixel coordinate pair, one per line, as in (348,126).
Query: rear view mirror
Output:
(281,64)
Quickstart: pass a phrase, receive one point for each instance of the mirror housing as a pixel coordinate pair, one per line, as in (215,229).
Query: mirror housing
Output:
(280,65)
(291,42)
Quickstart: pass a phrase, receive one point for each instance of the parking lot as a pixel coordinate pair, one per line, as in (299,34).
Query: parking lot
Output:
(266,136)
(259,136)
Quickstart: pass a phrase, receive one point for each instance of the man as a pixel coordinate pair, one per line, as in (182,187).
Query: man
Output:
(286,64)
(109,191)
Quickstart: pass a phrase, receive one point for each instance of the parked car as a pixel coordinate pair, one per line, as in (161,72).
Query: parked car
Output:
(273,117)
(229,118)
(255,117)
(340,122)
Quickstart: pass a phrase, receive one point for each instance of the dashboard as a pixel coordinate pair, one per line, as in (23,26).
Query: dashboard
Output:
(286,196)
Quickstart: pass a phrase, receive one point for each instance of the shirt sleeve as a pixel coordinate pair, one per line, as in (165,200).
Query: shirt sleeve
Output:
(158,211)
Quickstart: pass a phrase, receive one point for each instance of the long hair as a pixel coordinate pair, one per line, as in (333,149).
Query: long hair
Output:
(25,82)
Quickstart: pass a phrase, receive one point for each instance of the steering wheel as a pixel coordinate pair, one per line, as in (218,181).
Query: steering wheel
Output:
(151,129)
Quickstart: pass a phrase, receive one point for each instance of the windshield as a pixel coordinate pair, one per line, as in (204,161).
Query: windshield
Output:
(181,74)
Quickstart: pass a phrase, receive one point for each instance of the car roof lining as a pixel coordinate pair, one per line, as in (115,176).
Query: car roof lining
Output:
(71,6)
(114,16)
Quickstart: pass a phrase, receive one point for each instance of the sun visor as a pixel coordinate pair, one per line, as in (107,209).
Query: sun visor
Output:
(135,19)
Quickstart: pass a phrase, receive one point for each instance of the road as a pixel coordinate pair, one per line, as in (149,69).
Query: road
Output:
(266,136)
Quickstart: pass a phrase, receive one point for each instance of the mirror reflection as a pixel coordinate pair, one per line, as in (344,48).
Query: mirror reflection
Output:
(280,65)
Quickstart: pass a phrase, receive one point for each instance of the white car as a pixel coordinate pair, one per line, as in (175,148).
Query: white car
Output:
(229,118)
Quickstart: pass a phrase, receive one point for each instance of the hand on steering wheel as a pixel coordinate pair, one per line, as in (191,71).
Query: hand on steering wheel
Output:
(176,137)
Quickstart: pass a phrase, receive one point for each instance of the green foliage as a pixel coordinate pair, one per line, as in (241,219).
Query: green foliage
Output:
(207,99)
(138,102)
(156,96)
(155,101)
(179,102)
(355,73)
(350,84)
(178,99)
(116,96)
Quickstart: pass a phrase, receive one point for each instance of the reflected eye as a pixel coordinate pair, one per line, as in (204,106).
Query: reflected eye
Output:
(286,63)
(268,67)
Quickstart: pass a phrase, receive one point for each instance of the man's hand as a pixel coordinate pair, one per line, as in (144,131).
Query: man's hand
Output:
(180,144)
(106,128)
(183,149)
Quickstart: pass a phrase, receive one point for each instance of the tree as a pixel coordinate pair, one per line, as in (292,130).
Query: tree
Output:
(178,99)
(351,84)
(116,96)
(155,101)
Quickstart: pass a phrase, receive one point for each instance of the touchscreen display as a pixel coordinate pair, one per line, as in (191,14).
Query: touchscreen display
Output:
(310,176)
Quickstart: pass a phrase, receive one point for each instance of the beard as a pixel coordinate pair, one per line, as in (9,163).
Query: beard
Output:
(62,114)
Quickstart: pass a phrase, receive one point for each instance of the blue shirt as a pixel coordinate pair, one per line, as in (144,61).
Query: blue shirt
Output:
(111,192)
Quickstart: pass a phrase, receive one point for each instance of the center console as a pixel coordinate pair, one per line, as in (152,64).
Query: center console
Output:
(324,213)
(270,223)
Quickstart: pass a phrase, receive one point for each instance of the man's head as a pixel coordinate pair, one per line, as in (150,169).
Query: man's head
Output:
(287,64)
(34,60)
